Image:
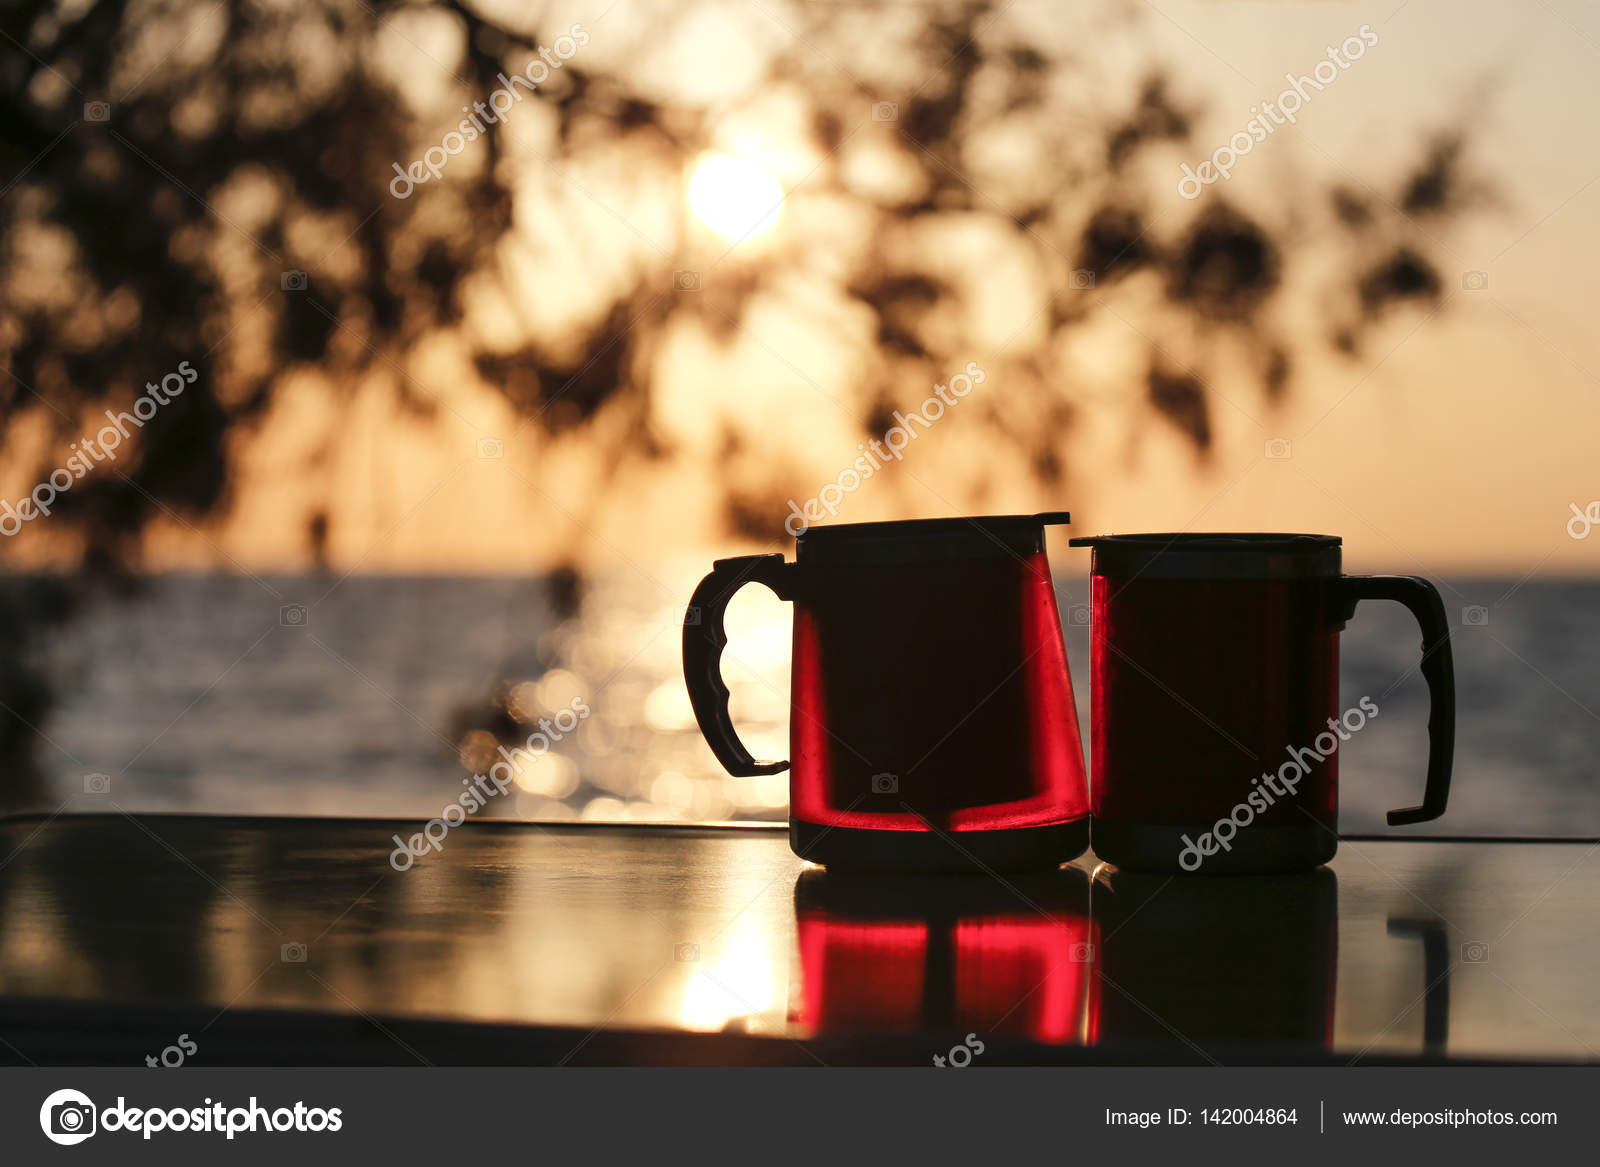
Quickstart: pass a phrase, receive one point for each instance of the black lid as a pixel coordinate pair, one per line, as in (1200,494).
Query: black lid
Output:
(912,539)
(1213,555)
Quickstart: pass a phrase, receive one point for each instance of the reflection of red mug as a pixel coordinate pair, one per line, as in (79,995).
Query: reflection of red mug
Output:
(943,954)
(1190,963)
(1214,681)
(932,723)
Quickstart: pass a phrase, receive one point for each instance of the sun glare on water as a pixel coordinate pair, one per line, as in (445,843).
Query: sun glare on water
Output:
(736,199)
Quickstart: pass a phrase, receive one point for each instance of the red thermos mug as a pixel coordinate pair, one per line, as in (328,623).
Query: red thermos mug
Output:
(932,725)
(1215,726)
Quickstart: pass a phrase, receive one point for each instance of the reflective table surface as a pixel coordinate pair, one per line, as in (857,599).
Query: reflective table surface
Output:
(295,941)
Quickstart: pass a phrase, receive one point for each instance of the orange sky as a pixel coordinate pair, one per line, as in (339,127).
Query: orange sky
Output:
(1458,441)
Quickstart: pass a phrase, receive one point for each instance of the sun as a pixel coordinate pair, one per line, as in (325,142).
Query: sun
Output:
(735,198)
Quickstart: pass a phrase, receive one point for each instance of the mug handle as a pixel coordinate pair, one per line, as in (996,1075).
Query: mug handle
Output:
(704,638)
(1438,669)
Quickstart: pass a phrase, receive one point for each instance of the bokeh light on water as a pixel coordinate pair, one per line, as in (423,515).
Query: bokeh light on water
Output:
(396,689)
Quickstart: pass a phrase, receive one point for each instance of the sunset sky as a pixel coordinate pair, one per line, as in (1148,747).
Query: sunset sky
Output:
(1457,439)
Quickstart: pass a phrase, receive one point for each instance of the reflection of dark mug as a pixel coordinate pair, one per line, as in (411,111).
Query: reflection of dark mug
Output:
(946,954)
(932,724)
(1236,959)
(1214,682)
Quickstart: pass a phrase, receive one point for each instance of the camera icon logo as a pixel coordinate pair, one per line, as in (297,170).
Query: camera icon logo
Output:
(885,111)
(292,616)
(1081,953)
(1474,616)
(686,953)
(490,449)
(294,281)
(97,783)
(1278,449)
(686,281)
(1474,952)
(293,953)
(97,111)
(885,784)
(1474,281)
(691,616)
(67,1117)
(1082,279)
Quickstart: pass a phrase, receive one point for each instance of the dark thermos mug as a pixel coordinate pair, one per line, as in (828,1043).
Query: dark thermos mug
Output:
(1215,726)
(932,725)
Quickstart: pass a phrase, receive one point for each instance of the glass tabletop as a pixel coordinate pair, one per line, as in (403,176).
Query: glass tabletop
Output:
(1467,950)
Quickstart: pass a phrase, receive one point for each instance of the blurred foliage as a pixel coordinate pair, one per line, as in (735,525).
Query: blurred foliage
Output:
(146,270)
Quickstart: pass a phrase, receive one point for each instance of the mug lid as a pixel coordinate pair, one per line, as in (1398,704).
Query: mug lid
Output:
(911,539)
(1213,555)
